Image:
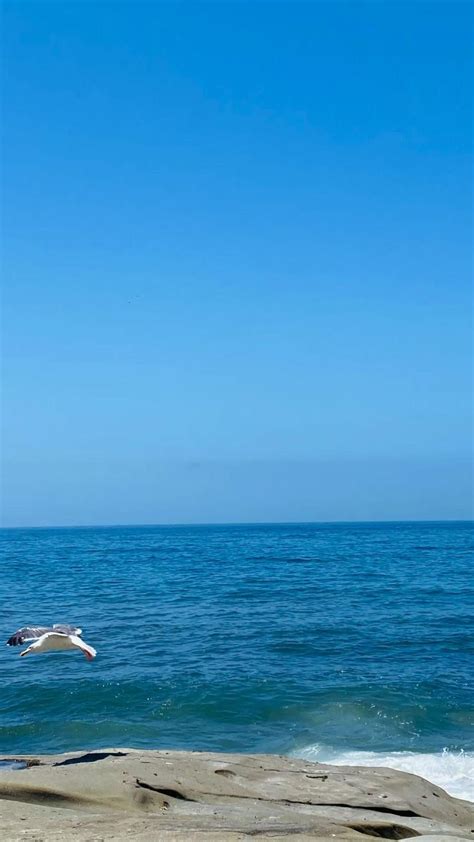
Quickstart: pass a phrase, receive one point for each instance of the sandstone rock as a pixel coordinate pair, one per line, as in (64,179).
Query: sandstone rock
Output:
(175,796)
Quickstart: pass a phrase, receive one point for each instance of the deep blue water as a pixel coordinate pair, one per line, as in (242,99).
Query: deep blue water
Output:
(318,639)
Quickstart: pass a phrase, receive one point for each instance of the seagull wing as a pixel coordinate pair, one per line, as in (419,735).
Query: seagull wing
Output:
(26,634)
(29,633)
(64,628)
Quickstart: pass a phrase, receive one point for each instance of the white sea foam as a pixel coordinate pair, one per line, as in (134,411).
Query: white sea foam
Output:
(453,771)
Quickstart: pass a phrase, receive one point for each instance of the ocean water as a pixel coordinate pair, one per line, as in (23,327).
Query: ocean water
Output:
(345,643)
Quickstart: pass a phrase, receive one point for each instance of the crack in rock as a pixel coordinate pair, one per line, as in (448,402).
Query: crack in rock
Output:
(171,793)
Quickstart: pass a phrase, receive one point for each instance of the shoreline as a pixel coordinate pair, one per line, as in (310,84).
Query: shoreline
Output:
(121,793)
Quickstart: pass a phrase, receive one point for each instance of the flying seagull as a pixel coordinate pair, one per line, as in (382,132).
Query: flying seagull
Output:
(48,638)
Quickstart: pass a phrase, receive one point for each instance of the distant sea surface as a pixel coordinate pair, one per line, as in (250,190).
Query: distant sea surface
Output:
(344,643)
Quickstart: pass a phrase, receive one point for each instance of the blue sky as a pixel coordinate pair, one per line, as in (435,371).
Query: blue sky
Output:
(236,249)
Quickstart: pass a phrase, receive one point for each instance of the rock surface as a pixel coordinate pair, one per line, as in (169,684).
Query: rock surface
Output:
(175,796)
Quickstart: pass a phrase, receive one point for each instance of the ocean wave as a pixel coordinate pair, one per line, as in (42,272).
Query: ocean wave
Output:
(451,770)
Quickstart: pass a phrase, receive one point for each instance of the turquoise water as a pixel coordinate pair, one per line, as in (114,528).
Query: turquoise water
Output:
(336,641)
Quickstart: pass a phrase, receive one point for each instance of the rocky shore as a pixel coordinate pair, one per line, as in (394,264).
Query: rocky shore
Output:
(120,794)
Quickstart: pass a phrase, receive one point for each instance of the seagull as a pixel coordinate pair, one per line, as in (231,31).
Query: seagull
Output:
(48,638)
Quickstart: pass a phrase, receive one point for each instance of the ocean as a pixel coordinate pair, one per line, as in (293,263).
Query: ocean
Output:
(344,643)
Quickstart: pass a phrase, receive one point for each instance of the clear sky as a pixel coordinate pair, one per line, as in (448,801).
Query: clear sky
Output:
(236,254)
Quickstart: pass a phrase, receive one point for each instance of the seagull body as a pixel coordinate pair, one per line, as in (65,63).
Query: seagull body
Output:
(55,640)
(51,638)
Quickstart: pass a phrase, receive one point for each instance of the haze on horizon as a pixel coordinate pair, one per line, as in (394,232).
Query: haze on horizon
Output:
(237,262)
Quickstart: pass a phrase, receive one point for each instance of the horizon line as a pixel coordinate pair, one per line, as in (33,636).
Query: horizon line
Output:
(184,525)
